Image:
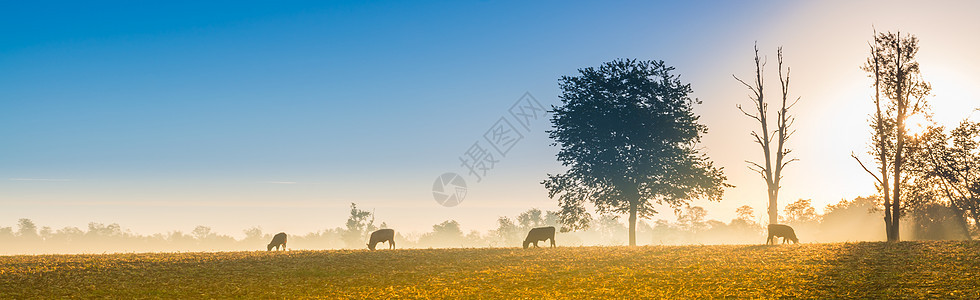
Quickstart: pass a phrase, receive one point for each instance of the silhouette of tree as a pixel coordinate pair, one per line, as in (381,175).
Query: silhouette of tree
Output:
(744,226)
(46,232)
(358,227)
(610,230)
(745,213)
(936,221)
(201,232)
(27,230)
(445,234)
(507,232)
(771,169)
(510,233)
(102,231)
(862,204)
(536,218)
(628,134)
(691,218)
(67,236)
(896,76)
(951,164)
(6,233)
(800,212)
(839,221)
(175,237)
(253,235)
(447,229)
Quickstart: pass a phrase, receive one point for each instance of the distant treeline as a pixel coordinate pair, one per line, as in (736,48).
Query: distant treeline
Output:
(853,220)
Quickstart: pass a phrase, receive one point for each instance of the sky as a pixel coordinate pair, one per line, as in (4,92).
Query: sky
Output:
(165,116)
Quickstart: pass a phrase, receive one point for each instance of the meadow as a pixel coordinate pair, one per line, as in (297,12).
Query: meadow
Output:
(947,269)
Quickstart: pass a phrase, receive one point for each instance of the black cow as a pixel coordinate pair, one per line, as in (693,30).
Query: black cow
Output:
(540,234)
(783,231)
(382,235)
(278,240)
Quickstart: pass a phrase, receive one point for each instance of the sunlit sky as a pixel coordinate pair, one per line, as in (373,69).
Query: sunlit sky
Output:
(165,116)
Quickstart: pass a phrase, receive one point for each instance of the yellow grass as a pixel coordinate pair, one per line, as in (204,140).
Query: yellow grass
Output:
(856,270)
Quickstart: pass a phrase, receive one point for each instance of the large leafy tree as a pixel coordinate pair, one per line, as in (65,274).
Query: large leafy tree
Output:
(628,135)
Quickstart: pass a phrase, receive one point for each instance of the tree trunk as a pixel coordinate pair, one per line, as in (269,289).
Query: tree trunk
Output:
(885,194)
(897,180)
(976,220)
(963,224)
(900,141)
(632,222)
(880,132)
(773,210)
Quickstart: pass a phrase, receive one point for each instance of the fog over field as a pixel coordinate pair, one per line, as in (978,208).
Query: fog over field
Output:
(848,221)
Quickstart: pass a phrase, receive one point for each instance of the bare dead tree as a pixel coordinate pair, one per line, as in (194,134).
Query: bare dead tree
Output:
(771,170)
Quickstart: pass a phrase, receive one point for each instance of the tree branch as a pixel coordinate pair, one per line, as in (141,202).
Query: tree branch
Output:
(866,169)
(747,114)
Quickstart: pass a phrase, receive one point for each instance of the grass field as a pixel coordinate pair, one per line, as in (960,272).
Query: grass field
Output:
(854,270)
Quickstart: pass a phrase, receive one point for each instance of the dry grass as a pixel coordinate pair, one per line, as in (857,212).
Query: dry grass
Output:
(855,270)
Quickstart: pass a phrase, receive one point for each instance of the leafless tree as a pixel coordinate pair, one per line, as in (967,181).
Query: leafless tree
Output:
(771,169)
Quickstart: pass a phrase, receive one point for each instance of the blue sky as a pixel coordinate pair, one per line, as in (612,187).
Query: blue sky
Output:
(221,113)
(203,88)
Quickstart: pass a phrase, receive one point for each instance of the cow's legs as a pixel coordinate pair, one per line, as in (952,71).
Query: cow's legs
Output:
(552,242)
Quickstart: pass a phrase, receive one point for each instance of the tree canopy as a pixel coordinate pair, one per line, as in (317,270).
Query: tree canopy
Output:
(628,135)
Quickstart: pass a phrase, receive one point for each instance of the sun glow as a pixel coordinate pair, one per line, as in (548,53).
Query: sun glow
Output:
(917,124)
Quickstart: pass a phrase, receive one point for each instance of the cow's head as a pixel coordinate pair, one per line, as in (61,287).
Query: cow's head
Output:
(269,248)
(371,246)
(526,243)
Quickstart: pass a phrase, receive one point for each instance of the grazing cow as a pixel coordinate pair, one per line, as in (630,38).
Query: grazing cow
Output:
(540,234)
(278,240)
(382,235)
(783,231)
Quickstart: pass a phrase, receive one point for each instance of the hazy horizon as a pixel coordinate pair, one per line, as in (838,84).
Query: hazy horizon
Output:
(167,118)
